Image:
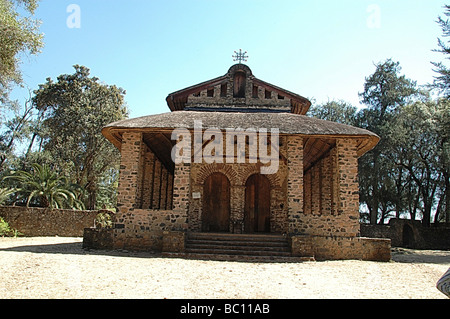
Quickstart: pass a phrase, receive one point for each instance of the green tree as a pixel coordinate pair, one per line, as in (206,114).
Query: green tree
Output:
(46,188)
(335,111)
(16,129)
(442,84)
(415,132)
(442,120)
(18,34)
(384,92)
(442,80)
(75,108)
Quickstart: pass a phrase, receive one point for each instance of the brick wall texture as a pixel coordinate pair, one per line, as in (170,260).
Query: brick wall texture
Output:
(38,222)
(321,202)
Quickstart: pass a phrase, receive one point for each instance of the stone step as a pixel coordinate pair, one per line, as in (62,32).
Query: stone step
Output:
(238,251)
(206,242)
(237,237)
(237,246)
(239,258)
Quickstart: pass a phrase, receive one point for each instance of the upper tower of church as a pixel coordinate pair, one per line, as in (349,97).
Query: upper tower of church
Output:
(237,91)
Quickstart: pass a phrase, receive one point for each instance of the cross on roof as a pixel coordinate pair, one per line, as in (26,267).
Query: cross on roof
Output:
(240,56)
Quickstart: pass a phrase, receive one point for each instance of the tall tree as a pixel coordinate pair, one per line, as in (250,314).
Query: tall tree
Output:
(384,91)
(415,131)
(76,107)
(18,34)
(15,129)
(335,111)
(442,83)
(442,80)
(441,120)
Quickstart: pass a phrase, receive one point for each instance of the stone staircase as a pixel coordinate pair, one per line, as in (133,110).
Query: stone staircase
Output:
(240,247)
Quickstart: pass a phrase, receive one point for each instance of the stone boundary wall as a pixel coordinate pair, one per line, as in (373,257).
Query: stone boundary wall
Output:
(161,241)
(42,222)
(410,234)
(341,248)
(142,229)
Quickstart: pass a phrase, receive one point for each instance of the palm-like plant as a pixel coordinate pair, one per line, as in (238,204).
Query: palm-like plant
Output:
(4,194)
(47,187)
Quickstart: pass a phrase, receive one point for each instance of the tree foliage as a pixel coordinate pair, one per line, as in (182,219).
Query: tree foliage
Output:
(442,79)
(75,108)
(335,111)
(43,187)
(406,174)
(18,34)
(385,91)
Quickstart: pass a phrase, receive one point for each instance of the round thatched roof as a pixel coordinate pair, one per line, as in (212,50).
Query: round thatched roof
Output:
(286,123)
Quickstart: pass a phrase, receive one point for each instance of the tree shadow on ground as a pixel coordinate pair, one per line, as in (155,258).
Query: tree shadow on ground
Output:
(76,248)
(400,255)
(404,255)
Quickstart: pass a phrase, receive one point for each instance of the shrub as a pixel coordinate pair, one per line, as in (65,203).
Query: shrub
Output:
(6,231)
(103,220)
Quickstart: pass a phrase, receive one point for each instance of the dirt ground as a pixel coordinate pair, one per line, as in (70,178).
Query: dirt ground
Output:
(58,268)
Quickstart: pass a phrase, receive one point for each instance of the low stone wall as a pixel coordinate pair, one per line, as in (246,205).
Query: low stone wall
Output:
(320,247)
(94,238)
(103,239)
(341,248)
(143,229)
(36,222)
(410,234)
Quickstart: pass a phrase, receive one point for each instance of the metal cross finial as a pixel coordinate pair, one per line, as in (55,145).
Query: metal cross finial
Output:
(240,56)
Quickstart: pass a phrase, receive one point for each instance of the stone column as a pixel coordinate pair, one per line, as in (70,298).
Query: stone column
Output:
(157,185)
(147,183)
(163,193)
(181,193)
(295,183)
(237,208)
(326,186)
(348,194)
(316,189)
(169,191)
(130,178)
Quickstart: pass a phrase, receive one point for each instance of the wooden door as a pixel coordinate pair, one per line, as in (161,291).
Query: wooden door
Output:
(257,204)
(216,204)
(239,85)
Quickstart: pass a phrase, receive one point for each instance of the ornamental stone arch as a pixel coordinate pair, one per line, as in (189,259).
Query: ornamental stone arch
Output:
(256,169)
(206,170)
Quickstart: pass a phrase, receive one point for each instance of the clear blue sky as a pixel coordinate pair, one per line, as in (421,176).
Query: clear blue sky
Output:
(321,49)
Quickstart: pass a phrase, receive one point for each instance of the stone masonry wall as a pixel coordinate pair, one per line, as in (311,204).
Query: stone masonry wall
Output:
(143,198)
(237,175)
(331,193)
(321,203)
(339,247)
(32,222)
(295,183)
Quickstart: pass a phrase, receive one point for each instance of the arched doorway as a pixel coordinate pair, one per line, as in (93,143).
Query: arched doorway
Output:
(407,237)
(239,84)
(257,204)
(216,204)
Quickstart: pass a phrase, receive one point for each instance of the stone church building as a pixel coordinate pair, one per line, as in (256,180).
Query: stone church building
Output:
(237,168)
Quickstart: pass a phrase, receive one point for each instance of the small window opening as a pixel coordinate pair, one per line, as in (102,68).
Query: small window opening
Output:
(268,94)
(280,97)
(223,90)
(255,92)
(239,85)
(210,92)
